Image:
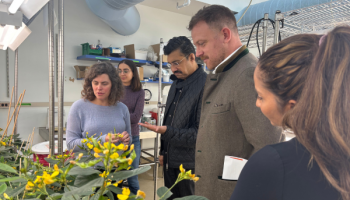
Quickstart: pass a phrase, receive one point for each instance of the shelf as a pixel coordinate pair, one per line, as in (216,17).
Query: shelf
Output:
(156,82)
(114,59)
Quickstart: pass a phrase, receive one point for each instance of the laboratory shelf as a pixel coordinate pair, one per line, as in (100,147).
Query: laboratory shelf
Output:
(114,59)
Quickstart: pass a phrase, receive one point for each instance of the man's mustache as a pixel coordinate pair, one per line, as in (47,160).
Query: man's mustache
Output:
(203,57)
(180,72)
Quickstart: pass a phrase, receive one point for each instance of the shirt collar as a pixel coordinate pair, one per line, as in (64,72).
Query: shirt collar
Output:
(228,57)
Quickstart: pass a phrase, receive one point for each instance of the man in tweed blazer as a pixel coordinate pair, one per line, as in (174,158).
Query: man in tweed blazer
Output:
(230,123)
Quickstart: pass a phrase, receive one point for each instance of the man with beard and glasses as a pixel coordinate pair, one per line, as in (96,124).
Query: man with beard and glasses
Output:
(230,123)
(182,113)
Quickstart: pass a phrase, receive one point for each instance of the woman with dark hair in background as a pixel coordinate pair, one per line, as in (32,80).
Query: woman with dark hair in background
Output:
(134,99)
(289,88)
(99,111)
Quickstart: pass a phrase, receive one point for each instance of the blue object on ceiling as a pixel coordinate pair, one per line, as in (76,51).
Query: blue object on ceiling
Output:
(121,15)
(257,11)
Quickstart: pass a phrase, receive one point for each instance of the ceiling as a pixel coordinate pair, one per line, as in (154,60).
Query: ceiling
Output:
(170,5)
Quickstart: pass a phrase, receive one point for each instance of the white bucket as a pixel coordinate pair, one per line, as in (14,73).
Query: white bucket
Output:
(166,78)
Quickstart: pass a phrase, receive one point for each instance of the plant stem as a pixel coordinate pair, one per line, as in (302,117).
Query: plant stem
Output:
(68,188)
(177,181)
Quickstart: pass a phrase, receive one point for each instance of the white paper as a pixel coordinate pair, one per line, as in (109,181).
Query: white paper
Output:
(233,167)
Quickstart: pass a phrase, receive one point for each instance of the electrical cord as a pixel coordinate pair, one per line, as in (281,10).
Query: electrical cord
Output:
(245,11)
(257,32)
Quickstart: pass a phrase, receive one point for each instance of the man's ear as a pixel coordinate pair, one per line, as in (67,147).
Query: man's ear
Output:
(227,34)
(192,57)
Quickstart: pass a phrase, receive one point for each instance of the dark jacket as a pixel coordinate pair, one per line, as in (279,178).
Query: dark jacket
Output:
(178,143)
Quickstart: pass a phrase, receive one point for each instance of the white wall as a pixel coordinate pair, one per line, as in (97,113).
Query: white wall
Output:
(81,26)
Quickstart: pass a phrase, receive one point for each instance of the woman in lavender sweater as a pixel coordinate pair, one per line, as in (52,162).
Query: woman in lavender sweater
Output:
(134,99)
(99,110)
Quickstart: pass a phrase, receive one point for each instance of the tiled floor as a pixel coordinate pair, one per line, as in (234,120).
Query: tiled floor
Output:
(147,183)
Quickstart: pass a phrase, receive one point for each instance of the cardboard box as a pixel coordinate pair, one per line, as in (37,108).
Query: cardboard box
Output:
(81,70)
(156,48)
(140,71)
(131,53)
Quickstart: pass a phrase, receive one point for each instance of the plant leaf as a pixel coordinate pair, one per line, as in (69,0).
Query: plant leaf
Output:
(86,189)
(10,179)
(162,190)
(116,190)
(7,168)
(3,188)
(20,180)
(79,171)
(110,195)
(16,191)
(121,175)
(56,196)
(51,161)
(193,197)
(82,180)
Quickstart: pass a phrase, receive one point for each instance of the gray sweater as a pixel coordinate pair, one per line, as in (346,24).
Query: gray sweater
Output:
(85,116)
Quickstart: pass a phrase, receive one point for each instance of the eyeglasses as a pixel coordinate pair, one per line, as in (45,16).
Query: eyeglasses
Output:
(176,63)
(126,71)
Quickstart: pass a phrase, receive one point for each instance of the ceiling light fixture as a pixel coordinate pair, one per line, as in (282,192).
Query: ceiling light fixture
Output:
(187,3)
(15,6)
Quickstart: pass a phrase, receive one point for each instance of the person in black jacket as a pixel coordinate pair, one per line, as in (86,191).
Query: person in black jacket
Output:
(182,114)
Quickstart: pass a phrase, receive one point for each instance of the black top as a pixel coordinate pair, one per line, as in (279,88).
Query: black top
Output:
(182,116)
(282,172)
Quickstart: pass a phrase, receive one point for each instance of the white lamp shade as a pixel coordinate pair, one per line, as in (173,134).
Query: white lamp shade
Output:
(15,5)
(12,37)
(31,7)
(22,34)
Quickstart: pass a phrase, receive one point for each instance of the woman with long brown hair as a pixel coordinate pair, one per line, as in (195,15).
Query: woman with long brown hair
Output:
(100,109)
(321,119)
(134,99)
(286,171)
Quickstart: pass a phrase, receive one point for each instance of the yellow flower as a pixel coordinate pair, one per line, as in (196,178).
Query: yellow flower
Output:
(56,167)
(125,195)
(3,144)
(106,145)
(72,162)
(97,150)
(109,135)
(96,155)
(104,175)
(6,196)
(125,147)
(14,167)
(80,155)
(116,184)
(132,147)
(90,146)
(84,141)
(35,172)
(114,156)
(106,151)
(120,146)
(130,161)
(48,178)
(49,156)
(29,185)
(195,179)
(182,169)
(141,194)
(113,146)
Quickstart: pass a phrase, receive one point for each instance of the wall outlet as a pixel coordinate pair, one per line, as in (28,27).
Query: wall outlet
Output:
(4,104)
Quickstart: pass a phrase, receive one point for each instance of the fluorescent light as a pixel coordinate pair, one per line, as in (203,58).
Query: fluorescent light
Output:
(30,8)
(21,34)
(15,6)
(7,35)
(1,31)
